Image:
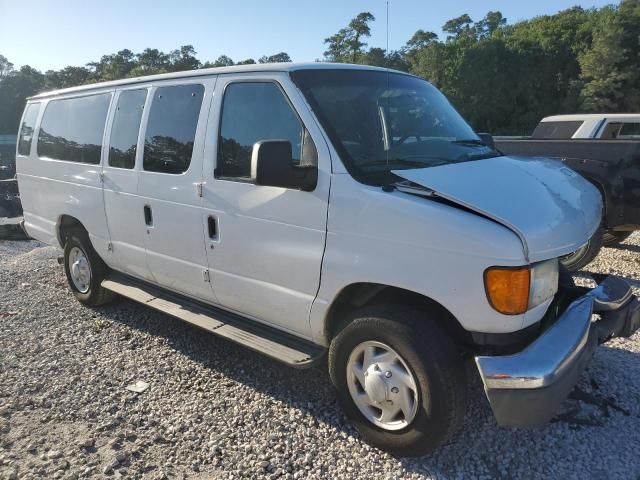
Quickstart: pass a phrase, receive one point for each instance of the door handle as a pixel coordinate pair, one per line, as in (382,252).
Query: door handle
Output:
(148,218)
(213,227)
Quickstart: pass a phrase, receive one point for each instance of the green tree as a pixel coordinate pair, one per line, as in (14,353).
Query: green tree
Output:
(281,57)
(5,67)
(629,19)
(68,77)
(151,61)
(114,66)
(221,61)
(602,73)
(359,28)
(183,59)
(378,57)
(347,45)
(338,47)
(459,27)
(15,87)
(489,24)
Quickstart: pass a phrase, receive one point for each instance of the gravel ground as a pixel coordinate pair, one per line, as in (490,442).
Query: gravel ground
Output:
(216,410)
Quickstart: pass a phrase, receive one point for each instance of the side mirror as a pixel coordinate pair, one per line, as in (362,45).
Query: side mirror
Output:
(272,165)
(487,139)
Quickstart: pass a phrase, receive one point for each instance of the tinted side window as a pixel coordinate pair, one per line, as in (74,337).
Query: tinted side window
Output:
(171,129)
(26,129)
(72,128)
(611,131)
(629,130)
(252,112)
(125,129)
(556,130)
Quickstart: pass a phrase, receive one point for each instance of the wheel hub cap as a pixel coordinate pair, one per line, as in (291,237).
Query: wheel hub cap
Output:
(375,384)
(80,270)
(382,386)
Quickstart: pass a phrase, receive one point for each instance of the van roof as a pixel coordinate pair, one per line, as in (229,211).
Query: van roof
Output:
(260,67)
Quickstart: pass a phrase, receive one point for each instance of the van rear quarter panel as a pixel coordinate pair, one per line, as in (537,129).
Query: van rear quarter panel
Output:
(52,188)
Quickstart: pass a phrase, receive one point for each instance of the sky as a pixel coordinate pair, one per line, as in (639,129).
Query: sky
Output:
(53,34)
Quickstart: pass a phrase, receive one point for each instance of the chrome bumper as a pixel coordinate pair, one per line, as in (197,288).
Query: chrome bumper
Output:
(527,388)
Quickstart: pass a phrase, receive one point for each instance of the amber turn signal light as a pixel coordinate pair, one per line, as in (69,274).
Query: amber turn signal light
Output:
(508,289)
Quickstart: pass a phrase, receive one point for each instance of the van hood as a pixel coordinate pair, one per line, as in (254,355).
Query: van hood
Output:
(550,207)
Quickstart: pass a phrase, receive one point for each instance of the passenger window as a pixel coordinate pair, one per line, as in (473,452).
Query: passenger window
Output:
(26,129)
(254,111)
(72,128)
(629,131)
(611,131)
(556,130)
(171,129)
(126,127)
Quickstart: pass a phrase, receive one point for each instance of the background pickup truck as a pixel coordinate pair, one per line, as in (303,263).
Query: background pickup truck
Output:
(605,149)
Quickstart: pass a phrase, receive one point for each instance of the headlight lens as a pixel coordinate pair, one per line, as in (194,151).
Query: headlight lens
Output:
(544,282)
(513,291)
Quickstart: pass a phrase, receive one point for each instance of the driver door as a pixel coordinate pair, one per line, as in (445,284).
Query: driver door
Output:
(264,244)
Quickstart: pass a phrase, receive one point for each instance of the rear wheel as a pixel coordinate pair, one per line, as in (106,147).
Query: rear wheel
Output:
(613,238)
(399,378)
(85,271)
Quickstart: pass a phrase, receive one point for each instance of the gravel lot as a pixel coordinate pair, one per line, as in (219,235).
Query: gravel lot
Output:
(216,410)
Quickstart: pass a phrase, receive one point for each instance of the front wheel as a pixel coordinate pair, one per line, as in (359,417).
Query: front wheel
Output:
(399,378)
(611,237)
(85,271)
(585,254)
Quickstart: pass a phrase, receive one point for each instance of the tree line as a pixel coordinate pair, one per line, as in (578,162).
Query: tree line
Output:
(502,77)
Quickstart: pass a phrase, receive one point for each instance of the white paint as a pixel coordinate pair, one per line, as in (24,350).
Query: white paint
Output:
(549,206)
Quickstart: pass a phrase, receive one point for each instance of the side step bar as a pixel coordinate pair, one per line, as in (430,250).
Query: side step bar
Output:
(269,341)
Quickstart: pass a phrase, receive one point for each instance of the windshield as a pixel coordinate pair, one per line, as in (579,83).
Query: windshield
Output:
(381,121)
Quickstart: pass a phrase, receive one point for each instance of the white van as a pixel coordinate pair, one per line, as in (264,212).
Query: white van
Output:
(300,209)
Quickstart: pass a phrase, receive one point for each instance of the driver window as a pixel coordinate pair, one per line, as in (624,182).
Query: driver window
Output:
(254,111)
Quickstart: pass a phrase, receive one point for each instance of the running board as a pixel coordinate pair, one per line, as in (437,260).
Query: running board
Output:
(269,341)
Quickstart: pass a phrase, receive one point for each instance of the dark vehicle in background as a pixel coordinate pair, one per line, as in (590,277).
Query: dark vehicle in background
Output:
(7,157)
(10,206)
(605,149)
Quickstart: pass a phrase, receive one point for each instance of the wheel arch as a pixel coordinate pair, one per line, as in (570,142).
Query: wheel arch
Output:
(65,226)
(605,198)
(357,295)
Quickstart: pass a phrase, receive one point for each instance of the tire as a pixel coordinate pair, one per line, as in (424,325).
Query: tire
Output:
(431,358)
(610,237)
(93,295)
(585,255)
(565,278)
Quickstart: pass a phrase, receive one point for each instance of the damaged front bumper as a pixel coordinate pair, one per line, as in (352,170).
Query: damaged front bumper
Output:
(526,389)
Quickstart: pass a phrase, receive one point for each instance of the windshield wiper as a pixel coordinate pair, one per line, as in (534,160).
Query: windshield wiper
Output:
(470,141)
(431,161)
(393,161)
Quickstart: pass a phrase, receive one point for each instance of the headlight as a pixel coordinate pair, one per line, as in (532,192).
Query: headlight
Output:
(544,282)
(514,290)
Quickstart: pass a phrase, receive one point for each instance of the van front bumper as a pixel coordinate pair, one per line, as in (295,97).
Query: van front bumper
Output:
(526,389)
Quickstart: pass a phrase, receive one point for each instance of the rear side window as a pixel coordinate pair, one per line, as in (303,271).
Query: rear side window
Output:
(171,128)
(556,130)
(254,111)
(629,131)
(26,129)
(126,127)
(72,128)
